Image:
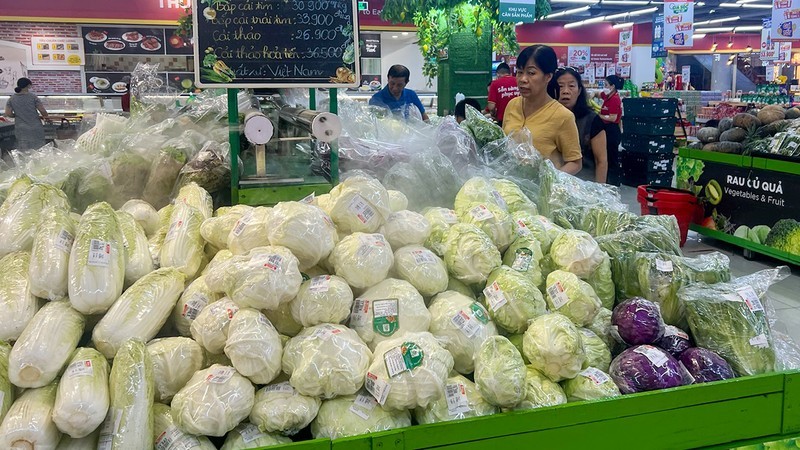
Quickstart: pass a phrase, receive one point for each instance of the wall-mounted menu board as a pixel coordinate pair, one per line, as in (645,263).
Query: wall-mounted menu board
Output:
(276,43)
(116,40)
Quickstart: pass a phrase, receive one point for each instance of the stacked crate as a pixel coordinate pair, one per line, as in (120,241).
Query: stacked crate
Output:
(648,141)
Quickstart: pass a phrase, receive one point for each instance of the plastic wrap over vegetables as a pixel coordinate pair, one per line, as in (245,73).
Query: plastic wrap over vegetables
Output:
(675,341)
(82,400)
(264,278)
(461,324)
(213,402)
(326,361)
(512,299)
(322,299)
(196,197)
(352,415)
(254,346)
(598,354)
(427,179)
(282,319)
(646,368)
(422,268)
(216,230)
(461,400)
(554,346)
(406,228)
(52,244)
(138,260)
(590,384)
(572,297)
(246,436)
(183,245)
(304,229)
(164,172)
(45,345)
(602,281)
(558,190)
(359,204)
(156,241)
(6,388)
(638,321)
(362,259)
(397,200)
(705,366)
(729,319)
(513,197)
(478,190)
(576,252)
(409,371)
(525,255)
(540,391)
(97,261)
(168,436)
(440,219)
(536,227)
(18,303)
(175,360)
(129,423)
(210,327)
(500,372)
(492,219)
(210,168)
(470,254)
(388,310)
(29,423)
(144,214)
(250,231)
(193,299)
(280,408)
(601,326)
(482,129)
(20,214)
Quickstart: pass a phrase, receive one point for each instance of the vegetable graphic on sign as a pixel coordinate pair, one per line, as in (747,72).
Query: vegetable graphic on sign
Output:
(215,69)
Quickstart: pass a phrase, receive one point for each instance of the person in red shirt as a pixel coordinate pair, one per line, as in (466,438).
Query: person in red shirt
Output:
(611,113)
(501,91)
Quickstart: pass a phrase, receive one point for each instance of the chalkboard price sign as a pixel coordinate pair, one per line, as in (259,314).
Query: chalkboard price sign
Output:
(276,43)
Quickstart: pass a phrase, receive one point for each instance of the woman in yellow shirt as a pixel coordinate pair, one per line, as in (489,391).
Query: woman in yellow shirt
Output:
(552,126)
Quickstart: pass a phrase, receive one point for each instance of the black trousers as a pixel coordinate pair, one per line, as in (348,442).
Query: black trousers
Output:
(613,137)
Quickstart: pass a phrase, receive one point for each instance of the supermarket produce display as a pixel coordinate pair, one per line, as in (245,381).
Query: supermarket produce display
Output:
(446,281)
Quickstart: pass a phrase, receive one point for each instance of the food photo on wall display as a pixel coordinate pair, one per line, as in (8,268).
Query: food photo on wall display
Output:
(124,40)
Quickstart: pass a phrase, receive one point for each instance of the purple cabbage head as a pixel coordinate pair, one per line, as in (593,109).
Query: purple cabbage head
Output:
(675,341)
(638,321)
(705,365)
(645,368)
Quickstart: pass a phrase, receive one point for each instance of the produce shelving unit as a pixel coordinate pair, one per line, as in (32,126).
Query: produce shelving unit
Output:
(719,415)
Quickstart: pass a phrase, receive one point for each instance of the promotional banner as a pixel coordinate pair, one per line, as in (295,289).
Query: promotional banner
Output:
(578,55)
(678,23)
(785,20)
(657,50)
(784,52)
(768,52)
(625,50)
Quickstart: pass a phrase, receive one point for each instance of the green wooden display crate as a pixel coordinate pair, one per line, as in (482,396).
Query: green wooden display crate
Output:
(720,415)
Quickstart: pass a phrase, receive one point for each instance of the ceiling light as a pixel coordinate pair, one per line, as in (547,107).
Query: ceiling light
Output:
(713,30)
(622,25)
(730,42)
(394,36)
(744,5)
(748,28)
(748,1)
(624,2)
(404,33)
(567,12)
(724,19)
(701,4)
(714,46)
(593,20)
(749,48)
(698,36)
(631,13)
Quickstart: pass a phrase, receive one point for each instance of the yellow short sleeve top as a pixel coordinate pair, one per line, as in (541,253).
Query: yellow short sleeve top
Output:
(555,134)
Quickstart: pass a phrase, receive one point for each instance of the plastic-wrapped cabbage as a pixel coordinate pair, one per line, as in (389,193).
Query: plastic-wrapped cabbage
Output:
(493,220)
(572,297)
(512,299)
(250,231)
(462,324)
(500,372)
(704,365)
(167,436)
(646,368)
(513,197)
(352,415)
(540,391)
(326,361)
(363,260)
(217,269)
(193,299)
(183,245)
(470,254)
(247,436)
(440,219)
(213,402)
(554,346)
(156,241)
(193,195)
(590,384)
(175,360)
(254,347)
(461,400)
(18,220)
(52,244)
(144,214)
(83,398)
(140,312)
(577,252)
(406,228)
(478,190)
(602,282)
(215,230)
(282,320)
(97,261)
(6,388)
(675,341)
(422,268)
(598,354)
(359,204)
(601,326)
(264,278)
(324,202)
(138,260)
(86,443)
(461,288)
(538,227)
(18,304)
(304,229)
(637,321)
(525,255)
(129,423)
(322,299)
(280,408)
(409,371)
(210,327)
(397,200)
(389,310)
(29,423)
(45,345)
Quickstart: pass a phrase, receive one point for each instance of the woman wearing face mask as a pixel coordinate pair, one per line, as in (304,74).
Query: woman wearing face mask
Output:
(611,113)
(567,88)
(552,126)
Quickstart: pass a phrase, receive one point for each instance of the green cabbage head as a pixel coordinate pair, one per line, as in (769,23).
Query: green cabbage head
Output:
(572,297)
(554,346)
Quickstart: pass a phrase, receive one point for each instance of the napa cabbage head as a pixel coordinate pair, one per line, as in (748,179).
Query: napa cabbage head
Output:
(6,388)
(138,260)
(18,303)
(131,398)
(144,214)
(18,220)
(82,400)
(49,268)
(194,195)
(183,244)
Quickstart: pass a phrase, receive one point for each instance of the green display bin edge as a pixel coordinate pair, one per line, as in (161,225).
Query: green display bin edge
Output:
(271,195)
(724,414)
(749,245)
(775,165)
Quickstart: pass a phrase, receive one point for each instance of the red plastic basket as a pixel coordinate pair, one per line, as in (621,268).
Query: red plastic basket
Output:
(655,200)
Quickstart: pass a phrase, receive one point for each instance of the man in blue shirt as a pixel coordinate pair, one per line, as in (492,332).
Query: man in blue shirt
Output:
(395,96)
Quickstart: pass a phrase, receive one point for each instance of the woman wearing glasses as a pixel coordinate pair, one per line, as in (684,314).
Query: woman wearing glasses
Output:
(552,126)
(567,88)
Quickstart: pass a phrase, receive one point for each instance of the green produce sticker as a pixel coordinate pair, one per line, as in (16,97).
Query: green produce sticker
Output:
(385,316)
(522,259)
(406,357)
(479,312)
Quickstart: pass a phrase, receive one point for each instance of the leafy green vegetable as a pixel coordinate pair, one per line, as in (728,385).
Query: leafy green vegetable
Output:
(500,372)
(785,235)
(16,301)
(52,245)
(6,388)
(572,297)
(83,398)
(482,129)
(129,423)
(512,299)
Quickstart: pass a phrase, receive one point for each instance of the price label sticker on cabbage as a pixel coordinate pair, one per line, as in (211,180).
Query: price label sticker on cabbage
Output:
(596,375)
(80,369)
(656,356)
(174,228)
(501,202)
(220,375)
(495,296)
(671,330)
(377,387)
(457,402)
(385,316)
(326,332)
(193,307)
(664,266)
(99,253)
(481,213)
(369,243)
(174,439)
(450,216)
(361,209)
(748,294)
(64,241)
(242,223)
(309,199)
(423,257)
(522,229)
(272,262)
(321,283)
(479,312)
(466,324)
(280,388)
(522,259)
(760,341)
(363,405)
(250,433)
(227,308)
(557,295)
(405,357)
(359,315)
